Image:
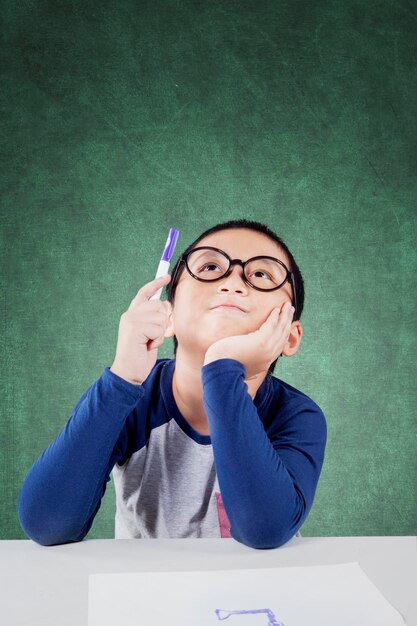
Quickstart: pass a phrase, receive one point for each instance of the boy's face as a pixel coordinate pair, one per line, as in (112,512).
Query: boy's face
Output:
(194,320)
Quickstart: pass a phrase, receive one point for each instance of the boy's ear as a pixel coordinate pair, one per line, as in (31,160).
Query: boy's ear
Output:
(294,339)
(169,331)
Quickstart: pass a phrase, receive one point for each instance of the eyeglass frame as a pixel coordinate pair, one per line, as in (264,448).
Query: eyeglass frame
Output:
(289,277)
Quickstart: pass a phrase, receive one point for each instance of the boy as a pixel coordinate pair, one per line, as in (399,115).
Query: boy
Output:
(208,444)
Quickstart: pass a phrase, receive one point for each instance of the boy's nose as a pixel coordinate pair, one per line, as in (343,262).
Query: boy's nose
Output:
(234,279)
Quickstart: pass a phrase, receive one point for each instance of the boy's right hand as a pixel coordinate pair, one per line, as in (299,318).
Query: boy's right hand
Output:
(141,332)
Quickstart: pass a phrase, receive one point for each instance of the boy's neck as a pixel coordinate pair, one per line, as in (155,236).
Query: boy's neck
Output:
(187,389)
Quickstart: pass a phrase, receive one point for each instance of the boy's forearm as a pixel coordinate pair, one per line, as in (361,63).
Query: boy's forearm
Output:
(264,504)
(63,489)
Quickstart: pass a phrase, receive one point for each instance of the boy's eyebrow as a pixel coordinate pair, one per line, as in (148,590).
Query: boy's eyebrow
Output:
(275,256)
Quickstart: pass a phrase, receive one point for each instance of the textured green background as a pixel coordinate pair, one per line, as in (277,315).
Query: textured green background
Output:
(123,119)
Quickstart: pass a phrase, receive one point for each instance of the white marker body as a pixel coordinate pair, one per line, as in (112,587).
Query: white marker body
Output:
(162,270)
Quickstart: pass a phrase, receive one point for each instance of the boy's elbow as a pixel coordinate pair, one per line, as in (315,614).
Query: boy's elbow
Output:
(47,531)
(263,539)
(272,531)
(45,535)
(48,540)
(49,537)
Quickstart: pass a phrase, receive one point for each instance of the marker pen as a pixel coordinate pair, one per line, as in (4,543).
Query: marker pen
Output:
(166,257)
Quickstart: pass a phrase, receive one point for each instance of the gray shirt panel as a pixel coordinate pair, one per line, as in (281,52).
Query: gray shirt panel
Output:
(167,488)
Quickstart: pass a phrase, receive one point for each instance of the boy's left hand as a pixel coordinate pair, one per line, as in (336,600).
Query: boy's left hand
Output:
(256,350)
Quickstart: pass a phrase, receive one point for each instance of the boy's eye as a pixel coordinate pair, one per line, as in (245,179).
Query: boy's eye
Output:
(258,273)
(209,265)
(261,272)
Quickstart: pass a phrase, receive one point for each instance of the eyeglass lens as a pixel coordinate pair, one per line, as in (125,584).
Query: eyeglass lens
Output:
(263,273)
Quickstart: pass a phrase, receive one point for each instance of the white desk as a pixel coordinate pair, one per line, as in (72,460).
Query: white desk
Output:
(48,586)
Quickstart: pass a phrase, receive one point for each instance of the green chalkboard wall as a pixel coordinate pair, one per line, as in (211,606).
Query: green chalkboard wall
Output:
(123,119)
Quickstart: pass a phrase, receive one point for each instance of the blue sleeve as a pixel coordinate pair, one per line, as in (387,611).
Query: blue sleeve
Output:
(62,491)
(267,474)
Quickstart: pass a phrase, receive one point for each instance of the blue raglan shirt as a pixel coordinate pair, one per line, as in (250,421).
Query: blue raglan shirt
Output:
(253,478)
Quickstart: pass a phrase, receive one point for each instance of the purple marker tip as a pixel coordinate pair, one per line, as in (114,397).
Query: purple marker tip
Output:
(168,252)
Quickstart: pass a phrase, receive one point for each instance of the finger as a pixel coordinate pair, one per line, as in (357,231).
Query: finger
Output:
(155,343)
(148,290)
(278,323)
(287,312)
(286,307)
(268,328)
(281,315)
(168,307)
(286,325)
(154,331)
(279,311)
(277,318)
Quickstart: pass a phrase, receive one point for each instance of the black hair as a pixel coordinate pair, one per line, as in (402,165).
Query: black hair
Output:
(261,228)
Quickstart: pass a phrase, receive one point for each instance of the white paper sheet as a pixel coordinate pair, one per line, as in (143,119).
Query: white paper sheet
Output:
(324,595)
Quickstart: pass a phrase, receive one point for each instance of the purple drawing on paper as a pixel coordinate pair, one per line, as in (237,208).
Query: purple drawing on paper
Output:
(272,620)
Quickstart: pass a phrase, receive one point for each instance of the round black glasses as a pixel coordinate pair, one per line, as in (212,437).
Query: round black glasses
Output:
(264,273)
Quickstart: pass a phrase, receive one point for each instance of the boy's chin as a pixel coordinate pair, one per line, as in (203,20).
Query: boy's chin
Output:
(227,324)
(216,335)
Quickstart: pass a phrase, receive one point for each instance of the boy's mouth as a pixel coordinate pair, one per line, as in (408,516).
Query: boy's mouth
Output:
(228,307)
